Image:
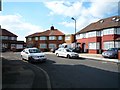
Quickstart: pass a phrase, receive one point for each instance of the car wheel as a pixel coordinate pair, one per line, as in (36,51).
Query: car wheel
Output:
(57,55)
(68,56)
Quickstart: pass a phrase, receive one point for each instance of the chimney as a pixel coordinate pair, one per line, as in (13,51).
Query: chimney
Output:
(52,28)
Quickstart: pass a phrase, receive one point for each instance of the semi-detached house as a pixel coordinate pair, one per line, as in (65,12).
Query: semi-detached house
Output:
(46,40)
(100,36)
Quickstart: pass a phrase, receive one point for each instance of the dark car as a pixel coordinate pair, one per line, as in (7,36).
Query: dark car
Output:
(111,53)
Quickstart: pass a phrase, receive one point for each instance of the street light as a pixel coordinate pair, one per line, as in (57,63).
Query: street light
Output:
(75,30)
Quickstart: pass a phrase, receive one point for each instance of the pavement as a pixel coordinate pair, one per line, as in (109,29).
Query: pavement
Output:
(93,57)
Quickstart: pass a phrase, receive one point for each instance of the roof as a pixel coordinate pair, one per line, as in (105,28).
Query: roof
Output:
(4,32)
(102,24)
(51,32)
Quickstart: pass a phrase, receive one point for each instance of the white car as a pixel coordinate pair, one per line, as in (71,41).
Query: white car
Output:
(33,55)
(65,52)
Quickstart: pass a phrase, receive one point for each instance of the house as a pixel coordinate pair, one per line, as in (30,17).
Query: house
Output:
(70,38)
(100,36)
(46,40)
(9,40)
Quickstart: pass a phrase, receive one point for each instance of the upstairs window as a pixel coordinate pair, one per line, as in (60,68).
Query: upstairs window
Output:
(67,37)
(43,38)
(52,37)
(60,38)
(13,38)
(36,38)
(92,34)
(29,39)
(4,37)
(108,31)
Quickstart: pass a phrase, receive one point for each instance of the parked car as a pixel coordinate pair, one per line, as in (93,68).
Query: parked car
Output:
(33,55)
(65,52)
(111,53)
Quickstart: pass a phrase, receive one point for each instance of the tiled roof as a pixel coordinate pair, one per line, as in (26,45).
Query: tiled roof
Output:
(102,24)
(4,32)
(54,32)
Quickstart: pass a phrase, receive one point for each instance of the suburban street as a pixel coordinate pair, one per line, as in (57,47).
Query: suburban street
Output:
(74,73)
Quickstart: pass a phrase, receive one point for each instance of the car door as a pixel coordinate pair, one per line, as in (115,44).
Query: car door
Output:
(65,53)
(26,54)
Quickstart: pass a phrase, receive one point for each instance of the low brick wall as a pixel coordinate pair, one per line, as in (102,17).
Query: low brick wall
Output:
(119,54)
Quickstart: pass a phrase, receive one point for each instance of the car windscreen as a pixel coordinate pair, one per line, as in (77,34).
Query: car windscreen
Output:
(68,50)
(113,49)
(34,51)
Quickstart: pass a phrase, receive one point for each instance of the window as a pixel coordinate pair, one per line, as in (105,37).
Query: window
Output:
(118,31)
(67,37)
(4,37)
(29,39)
(92,34)
(108,45)
(78,36)
(43,45)
(94,45)
(52,37)
(43,38)
(117,44)
(13,38)
(108,31)
(98,33)
(83,35)
(59,37)
(36,38)
(52,45)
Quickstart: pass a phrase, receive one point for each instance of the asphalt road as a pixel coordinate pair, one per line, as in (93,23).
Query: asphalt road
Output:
(78,73)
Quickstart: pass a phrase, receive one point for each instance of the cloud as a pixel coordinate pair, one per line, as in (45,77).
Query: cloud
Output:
(17,25)
(85,11)
(64,8)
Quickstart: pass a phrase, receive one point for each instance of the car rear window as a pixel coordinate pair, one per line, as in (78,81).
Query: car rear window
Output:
(34,51)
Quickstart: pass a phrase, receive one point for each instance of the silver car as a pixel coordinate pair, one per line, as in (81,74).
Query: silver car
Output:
(111,53)
(33,55)
(65,52)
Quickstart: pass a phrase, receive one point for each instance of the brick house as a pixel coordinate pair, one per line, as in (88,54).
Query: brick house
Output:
(46,40)
(100,35)
(70,38)
(9,40)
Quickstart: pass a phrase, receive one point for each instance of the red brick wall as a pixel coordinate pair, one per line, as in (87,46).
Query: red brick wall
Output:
(93,51)
(119,54)
(88,40)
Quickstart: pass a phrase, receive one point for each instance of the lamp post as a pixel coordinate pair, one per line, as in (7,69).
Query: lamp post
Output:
(75,30)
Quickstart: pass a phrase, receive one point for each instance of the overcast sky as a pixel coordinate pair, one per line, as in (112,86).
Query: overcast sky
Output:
(24,17)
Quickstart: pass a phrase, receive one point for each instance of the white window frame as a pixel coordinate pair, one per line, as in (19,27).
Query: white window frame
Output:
(52,37)
(43,46)
(5,37)
(67,37)
(109,31)
(43,38)
(52,45)
(94,45)
(29,39)
(60,38)
(92,34)
(108,45)
(36,38)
